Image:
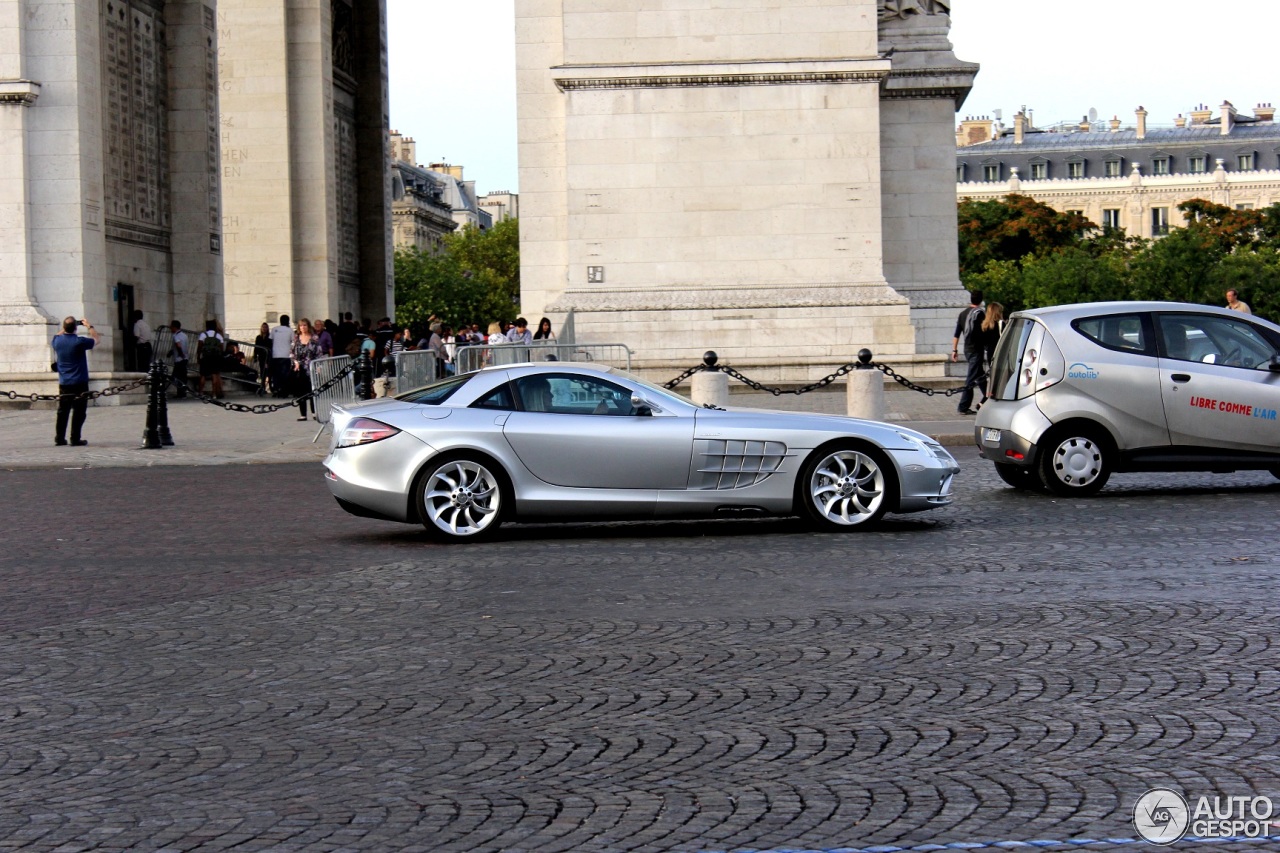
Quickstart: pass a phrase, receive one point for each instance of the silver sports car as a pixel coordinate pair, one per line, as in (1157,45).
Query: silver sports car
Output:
(563,442)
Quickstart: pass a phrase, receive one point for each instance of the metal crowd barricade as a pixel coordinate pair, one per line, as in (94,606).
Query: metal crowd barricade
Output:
(471,358)
(343,391)
(415,368)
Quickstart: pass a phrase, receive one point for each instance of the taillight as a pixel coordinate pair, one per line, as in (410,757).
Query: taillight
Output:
(365,431)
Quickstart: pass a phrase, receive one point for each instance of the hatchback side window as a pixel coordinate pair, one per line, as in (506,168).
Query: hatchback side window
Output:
(1123,332)
(1213,340)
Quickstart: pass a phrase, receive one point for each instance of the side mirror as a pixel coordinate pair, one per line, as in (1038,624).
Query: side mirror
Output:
(642,407)
(1274,364)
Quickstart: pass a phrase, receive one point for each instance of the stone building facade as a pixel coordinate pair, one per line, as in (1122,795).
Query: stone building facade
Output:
(771,183)
(192,158)
(1131,177)
(421,217)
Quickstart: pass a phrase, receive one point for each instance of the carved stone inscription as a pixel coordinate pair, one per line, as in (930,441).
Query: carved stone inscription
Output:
(211,128)
(134,58)
(344,120)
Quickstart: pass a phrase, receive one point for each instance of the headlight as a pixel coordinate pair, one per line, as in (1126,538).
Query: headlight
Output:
(364,431)
(926,445)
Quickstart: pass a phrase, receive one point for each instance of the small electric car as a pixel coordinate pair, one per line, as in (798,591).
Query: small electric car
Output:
(1079,392)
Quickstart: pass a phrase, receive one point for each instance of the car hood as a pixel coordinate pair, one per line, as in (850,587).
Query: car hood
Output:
(733,416)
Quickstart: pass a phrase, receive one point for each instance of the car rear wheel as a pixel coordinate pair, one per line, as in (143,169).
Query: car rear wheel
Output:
(461,498)
(846,488)
(1075,462)
(1018,477)
(1275,472)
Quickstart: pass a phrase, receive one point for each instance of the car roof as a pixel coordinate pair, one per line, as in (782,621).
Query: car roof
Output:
(1086,308)
(550,367)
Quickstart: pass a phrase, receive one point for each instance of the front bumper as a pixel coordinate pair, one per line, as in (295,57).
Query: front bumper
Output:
(927,480)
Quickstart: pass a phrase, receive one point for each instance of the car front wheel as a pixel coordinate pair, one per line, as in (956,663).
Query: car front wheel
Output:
(1075,463)
(461,498)
(846,488)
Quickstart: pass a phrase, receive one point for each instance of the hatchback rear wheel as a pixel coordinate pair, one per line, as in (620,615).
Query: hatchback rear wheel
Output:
(1017,476)
(1075,462)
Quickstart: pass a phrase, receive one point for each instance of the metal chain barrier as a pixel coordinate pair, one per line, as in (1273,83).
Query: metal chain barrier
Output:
(83,395)
(864,363)
(268,408)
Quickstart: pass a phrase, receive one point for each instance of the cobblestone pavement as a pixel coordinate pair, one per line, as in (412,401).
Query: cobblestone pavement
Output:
(260,671)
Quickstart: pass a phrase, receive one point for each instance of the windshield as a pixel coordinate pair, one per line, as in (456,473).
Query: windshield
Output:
(1004,366)
(657,391)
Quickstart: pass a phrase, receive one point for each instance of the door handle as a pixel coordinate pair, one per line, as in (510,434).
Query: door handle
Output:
(1181,377)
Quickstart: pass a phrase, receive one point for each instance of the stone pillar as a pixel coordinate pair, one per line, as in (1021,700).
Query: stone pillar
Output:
(376,294)
(919,98)
(24,329)
(709,387)
(864,396)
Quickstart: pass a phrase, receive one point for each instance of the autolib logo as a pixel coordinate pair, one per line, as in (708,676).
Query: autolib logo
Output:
(1161,816)
(1080,370)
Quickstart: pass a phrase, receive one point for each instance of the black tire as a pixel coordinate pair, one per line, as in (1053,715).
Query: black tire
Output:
(1075,462)
(846,487)
(1018,477)
(462,497)
(1275,472)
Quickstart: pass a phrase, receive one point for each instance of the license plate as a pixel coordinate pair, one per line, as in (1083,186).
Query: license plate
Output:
(991,436)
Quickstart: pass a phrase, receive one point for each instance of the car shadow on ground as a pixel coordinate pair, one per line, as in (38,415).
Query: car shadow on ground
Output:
(664,529)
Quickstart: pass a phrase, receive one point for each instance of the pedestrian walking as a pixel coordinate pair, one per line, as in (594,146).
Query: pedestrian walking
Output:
(281,357)
(262,354)
(968,328)
(210,347)
(142,342)
(181,358)
(73,379)
(306,349)
(1234,303)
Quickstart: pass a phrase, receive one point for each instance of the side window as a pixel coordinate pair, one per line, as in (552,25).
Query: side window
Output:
(563,394)
(1213,340)
(1121,332)
(500,398)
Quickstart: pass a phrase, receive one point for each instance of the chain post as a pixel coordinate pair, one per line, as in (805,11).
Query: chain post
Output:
(162,394)
(364,376)
(151,434)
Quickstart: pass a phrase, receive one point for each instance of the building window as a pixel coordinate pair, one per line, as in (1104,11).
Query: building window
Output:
(991,173)
(1196,164)
(1075,169)
(1244,162)
(1160,166)
(1159,221)
(1111,217)
(1039,171)
(960,173)
(1113,169)
(1248,205)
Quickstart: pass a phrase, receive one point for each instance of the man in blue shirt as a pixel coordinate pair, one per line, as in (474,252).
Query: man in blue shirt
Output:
(73,378)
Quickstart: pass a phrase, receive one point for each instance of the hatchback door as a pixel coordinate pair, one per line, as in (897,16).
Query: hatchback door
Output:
(581,431)
(1216,383)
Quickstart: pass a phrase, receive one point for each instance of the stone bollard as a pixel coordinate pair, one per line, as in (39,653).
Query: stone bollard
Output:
(710,386)
(865,397)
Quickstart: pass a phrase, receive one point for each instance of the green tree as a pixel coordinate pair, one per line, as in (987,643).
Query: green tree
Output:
(475,278)
(1011,229)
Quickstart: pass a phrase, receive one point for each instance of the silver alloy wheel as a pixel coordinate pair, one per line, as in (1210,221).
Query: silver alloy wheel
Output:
(462,498)
(1077,461)
(847,488)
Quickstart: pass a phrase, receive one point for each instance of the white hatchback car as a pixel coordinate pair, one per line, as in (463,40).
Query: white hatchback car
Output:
(1078,392)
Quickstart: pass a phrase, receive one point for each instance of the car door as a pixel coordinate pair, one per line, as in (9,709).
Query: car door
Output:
(580,430)
(1216,383)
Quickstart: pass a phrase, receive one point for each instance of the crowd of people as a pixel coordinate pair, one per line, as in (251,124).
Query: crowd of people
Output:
(280,356)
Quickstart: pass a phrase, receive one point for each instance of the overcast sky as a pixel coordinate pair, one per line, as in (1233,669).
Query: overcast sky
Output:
(453,78)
